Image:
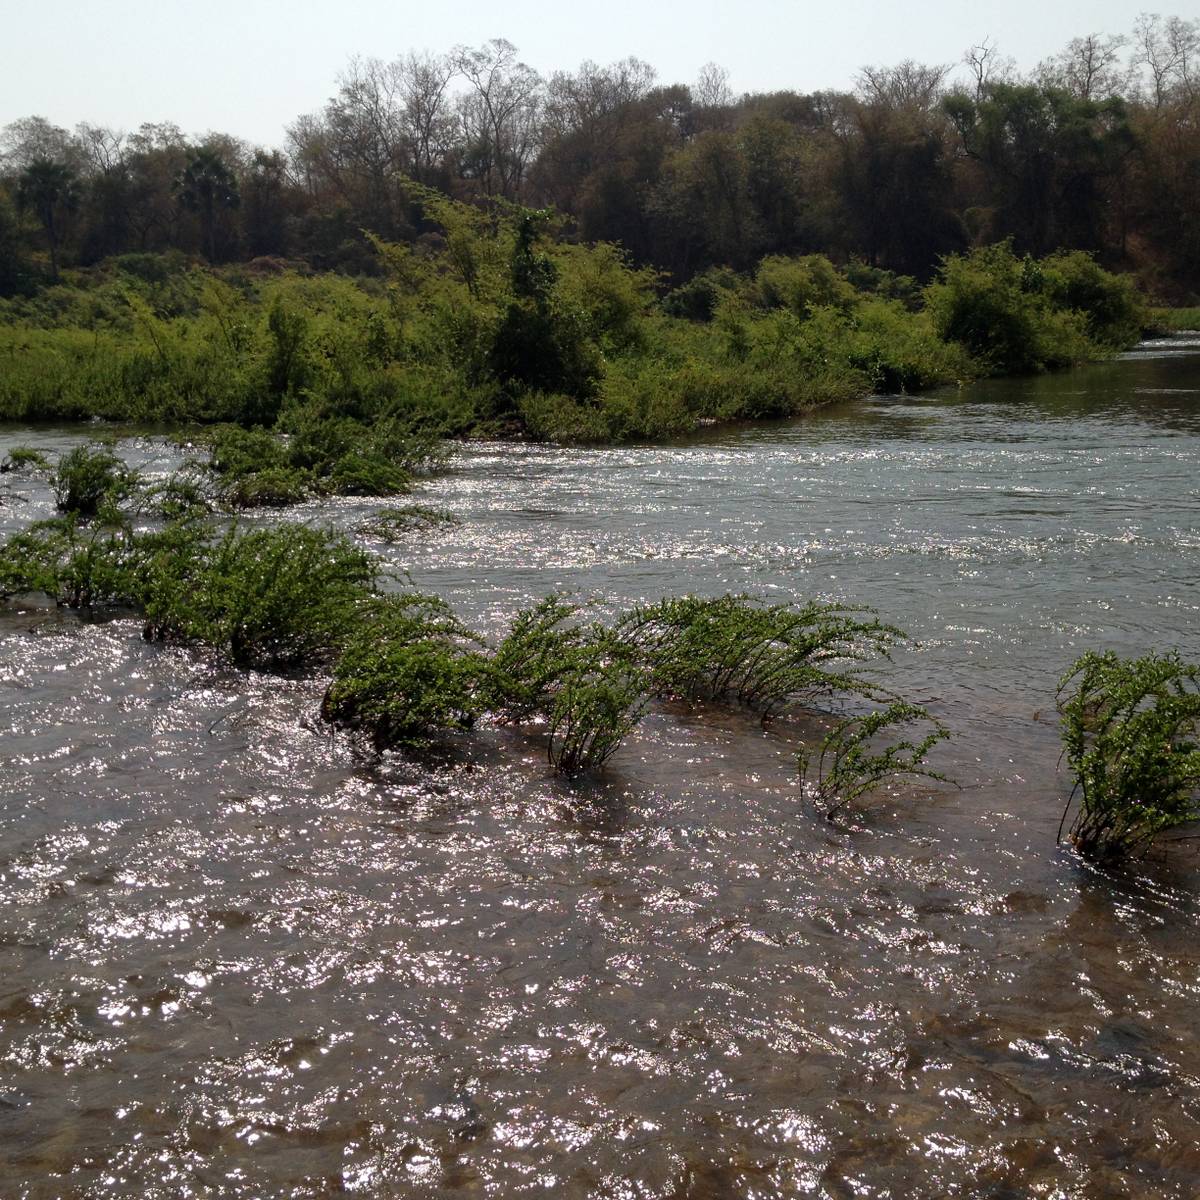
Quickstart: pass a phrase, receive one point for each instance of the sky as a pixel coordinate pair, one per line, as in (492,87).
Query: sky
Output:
(249,67)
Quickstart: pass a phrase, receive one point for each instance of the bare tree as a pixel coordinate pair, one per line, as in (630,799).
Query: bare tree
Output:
(987,66)
(1168,51)
(422,83)
(712,87)
(909,85)
(500,114)
(1089,67)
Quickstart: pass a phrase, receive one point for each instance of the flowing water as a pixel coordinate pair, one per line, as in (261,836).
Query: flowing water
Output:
(236,960)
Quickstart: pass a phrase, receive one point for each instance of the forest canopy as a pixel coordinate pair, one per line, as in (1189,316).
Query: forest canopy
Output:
(1096,149)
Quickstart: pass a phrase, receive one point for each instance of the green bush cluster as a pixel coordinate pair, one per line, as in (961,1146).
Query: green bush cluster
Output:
(1019,315)
(500,326)
(1131,735)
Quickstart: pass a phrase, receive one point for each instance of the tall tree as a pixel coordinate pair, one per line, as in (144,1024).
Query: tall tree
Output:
(51,191)
(206,186)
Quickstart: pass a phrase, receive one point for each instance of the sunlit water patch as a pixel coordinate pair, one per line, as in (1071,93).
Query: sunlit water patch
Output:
(239,960)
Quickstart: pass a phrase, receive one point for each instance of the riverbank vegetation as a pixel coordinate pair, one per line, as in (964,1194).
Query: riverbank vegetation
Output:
(406,673)
(314,385)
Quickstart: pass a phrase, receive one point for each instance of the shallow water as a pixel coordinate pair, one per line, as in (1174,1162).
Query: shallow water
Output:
(236,960)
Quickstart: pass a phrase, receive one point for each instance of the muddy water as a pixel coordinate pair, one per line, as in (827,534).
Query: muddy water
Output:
(235,960)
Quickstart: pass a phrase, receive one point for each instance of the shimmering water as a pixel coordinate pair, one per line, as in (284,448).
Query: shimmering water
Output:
(236,960)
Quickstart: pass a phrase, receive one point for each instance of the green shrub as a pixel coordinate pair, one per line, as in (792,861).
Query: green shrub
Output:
(90,477)
(599,699)
(409,672)
(1131,735)
(21,457)
(530,662)
(588,683)
(75,565)
(699,298)
(733,648)
(390,524)
(1073,280)
(801,285)
(270,598)
(1003,310)
(849,765)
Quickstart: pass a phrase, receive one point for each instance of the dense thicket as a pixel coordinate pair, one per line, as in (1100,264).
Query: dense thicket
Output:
(1098,149)
(499,326)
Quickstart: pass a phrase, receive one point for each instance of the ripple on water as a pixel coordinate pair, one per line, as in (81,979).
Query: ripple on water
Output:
(240,961)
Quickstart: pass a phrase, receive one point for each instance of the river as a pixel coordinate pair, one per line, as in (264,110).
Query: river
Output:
(239,960)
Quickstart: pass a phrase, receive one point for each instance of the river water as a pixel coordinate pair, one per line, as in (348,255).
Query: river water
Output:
(238,960)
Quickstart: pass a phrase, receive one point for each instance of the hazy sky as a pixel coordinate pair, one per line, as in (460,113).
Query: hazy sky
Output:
(248,67)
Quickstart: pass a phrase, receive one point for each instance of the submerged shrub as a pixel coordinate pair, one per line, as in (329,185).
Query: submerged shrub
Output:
(529,665)
(390,524)
(734,648)
(90,477)
(409,672)
(1131,735)
(270,598)
(849,763)
(598,700)
(75,565)
(20,457)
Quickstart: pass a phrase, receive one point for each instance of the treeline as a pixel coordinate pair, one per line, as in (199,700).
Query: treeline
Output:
(1097,149)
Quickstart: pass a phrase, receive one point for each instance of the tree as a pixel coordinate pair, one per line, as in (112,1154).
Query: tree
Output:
(500,115)
(51,191)
(206,186)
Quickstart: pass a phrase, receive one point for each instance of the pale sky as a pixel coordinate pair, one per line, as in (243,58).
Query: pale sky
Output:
(249,67)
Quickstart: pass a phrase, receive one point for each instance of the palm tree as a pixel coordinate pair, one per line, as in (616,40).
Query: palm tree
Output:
(205,185)
(50,189)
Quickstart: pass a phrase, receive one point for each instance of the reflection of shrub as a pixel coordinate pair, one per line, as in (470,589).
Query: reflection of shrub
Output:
(409,672)
(849,764)
(1131,734)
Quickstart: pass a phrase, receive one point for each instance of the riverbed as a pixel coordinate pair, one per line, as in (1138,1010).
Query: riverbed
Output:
(239,959)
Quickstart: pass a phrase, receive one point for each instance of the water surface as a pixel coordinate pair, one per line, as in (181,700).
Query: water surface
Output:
(238,960)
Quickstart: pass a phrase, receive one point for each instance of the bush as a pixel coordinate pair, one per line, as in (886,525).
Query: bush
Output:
(390,524)
(733,648)
(699,298)
(848,766)
(529,664)
(1073,280)
(89,478)
(75,565)
(271,598)
(409,672)
(801,285)
(20,457)
(1131,735)
(1003,311)
(600,697)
